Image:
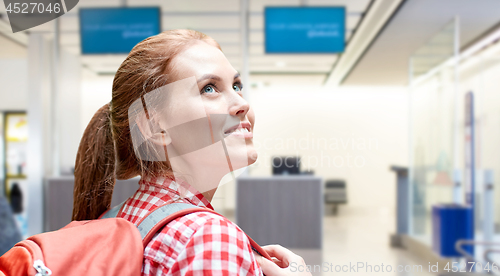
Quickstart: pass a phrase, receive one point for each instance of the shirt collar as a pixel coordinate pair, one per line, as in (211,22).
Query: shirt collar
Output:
(176,190)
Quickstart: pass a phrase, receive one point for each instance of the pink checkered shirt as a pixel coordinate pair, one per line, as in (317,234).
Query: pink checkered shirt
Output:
(200,243)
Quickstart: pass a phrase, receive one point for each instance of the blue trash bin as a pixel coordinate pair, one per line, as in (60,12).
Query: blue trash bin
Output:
(450,223)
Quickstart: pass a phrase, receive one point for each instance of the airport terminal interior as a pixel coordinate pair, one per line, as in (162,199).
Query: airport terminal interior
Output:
(377,123)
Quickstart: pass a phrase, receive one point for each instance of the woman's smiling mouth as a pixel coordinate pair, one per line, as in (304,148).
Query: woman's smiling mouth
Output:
(243,130)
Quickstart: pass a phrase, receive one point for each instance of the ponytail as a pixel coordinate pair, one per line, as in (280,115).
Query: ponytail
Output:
(94,168)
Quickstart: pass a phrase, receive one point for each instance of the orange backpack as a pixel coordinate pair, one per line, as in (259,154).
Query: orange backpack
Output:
(107,246)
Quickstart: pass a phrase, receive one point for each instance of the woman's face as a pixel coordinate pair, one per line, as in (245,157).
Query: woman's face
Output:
(219,94)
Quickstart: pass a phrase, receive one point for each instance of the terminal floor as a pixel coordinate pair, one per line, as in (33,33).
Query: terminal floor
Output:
(363,236)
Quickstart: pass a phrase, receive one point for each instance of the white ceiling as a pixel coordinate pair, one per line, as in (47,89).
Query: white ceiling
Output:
(385,62)
(219,19)
(417,21)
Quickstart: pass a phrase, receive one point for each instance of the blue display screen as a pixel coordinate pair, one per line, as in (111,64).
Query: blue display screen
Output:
(305,29)
(116,30)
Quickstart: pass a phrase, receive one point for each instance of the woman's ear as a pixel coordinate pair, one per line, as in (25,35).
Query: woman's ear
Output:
(153,132)
(161,138)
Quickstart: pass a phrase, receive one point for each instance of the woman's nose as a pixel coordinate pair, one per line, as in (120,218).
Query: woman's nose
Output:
(238,106)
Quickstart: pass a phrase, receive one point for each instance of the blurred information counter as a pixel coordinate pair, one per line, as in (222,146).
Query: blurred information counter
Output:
(285,210)
(59,199)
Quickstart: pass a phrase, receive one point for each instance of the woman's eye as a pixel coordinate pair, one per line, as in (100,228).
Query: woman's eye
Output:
(236,88)
(208,89)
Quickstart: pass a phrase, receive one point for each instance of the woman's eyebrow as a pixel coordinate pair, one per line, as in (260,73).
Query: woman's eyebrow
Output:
(214,77)
(209,76)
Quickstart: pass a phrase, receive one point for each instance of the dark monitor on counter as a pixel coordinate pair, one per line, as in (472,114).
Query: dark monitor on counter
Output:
(285,165)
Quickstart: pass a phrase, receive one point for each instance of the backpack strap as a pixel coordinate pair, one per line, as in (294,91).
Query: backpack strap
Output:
(113,212)
(153,222)
(161,216)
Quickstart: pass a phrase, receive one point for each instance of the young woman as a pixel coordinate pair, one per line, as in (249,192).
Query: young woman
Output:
(177,119)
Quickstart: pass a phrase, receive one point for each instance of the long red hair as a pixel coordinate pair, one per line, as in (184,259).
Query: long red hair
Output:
(106,151)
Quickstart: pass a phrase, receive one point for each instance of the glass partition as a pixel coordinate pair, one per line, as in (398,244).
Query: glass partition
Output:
(433,86)
(479,74)
(440,80)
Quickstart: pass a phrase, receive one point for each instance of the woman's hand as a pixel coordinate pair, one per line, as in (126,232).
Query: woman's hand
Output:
(285,262)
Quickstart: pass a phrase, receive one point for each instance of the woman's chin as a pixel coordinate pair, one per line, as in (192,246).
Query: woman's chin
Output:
(241,161)
(252,156)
